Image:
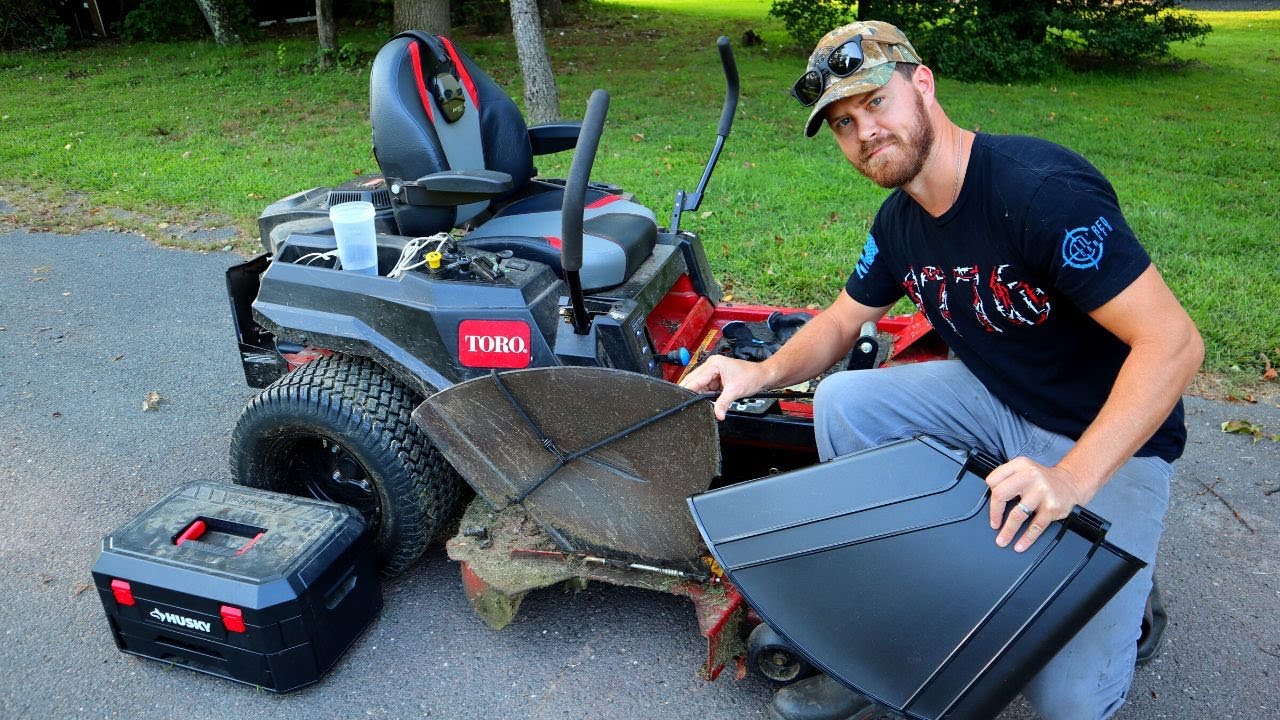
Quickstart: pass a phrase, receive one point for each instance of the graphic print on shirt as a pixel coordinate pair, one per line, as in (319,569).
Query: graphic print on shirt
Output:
(1016,302)
(1082,247)
(1009,294)
(935,275)
(869,252)
(970,275)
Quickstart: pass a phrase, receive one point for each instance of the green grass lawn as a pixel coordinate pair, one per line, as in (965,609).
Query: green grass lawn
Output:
(188,130)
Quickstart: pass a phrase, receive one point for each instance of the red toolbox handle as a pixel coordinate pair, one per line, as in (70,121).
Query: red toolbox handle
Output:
(249,544)
(193,532)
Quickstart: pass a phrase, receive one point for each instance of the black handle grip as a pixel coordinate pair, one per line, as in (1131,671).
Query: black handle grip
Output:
(731,79)
(575,189)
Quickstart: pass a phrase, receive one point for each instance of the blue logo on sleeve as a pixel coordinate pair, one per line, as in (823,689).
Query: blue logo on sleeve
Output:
(1082,247)
(869,252)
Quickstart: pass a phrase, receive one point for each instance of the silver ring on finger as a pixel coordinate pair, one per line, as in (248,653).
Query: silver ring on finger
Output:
(1026,510)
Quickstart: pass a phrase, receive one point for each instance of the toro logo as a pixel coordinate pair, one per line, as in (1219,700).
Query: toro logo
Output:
(181,620)
(494,343)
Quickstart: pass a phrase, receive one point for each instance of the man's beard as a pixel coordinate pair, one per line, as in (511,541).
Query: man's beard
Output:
(893,171)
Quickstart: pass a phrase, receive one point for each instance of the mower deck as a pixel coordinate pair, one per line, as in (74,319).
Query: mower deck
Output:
(505,555)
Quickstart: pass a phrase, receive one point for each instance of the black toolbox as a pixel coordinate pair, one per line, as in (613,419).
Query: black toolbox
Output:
(254,586)
(881,568)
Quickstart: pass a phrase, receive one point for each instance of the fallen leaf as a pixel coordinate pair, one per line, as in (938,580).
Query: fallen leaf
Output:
(1238,426)
(151,402)
(163,225)
(1269,373)
(638,137)
(42,269)
(707,213)
(186,155)
(1244,427)
(727,297)
(118,357)
(777,240)
(81,588)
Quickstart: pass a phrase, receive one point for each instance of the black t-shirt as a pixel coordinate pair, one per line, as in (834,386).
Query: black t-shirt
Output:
(1007,276)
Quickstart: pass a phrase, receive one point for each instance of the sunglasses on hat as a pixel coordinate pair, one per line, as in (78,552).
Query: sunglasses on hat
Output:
(842,62)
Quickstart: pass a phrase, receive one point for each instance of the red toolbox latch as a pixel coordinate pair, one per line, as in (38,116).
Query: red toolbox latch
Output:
(122,592)
(232,618)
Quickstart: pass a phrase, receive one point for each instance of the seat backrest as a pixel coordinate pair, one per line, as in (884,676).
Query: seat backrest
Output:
(413,135)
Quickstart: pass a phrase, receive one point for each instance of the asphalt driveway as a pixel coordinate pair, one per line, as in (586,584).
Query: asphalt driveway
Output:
(92,323)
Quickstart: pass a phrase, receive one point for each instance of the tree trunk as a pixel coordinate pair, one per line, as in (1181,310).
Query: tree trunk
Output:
(328,33)
(553,11)
(219,22)
(430,16)
(541,99)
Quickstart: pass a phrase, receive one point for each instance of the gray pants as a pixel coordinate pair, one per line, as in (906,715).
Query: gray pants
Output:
(1091,675)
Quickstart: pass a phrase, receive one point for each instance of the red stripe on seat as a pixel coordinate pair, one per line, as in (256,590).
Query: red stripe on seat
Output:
(555,241)
(604,201)
(463,75)
(417,74)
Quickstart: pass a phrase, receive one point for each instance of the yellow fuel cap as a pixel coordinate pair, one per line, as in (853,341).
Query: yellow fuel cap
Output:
(433,259)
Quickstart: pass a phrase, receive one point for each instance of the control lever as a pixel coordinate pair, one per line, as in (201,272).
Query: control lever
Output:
(866,349)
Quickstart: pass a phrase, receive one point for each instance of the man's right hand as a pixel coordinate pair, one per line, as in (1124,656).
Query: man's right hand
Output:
(733,378)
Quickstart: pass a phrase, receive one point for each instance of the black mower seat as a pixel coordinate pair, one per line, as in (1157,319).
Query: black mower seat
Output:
(434,111)
(618,235)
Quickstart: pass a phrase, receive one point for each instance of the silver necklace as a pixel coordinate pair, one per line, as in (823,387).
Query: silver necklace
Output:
(955,189)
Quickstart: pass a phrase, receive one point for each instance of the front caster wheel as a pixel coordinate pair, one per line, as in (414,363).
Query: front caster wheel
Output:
(771,656)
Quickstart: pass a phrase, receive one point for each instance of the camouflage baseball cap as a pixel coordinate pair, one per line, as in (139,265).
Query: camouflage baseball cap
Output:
(883,47)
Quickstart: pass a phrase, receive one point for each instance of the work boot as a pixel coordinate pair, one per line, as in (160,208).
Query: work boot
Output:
(1154,621)
(817,698)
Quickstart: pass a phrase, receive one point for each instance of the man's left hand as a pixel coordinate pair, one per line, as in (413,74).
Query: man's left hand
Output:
(1043,494)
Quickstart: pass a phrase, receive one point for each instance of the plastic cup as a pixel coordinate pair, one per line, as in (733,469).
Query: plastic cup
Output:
(353,228)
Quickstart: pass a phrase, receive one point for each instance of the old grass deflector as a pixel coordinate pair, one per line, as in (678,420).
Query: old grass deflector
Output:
(602,459)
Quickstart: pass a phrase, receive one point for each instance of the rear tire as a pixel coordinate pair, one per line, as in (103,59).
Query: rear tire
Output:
(340,429)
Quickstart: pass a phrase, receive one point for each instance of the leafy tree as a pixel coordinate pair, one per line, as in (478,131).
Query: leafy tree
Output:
(164,20)
(1123,31)
(808,20)
(1009,39)
(27,24)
